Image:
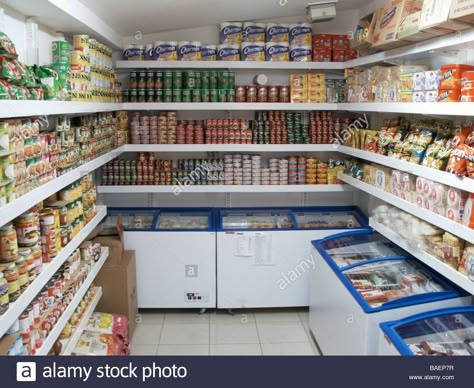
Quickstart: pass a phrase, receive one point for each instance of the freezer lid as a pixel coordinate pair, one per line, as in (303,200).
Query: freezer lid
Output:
(256,219)
(351,248)
(328,219)
(440,332)
(132,218)
(184,220)
(393,283)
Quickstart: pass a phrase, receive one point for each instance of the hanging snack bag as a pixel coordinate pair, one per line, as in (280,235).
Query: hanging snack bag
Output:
(7,48)
(9,71)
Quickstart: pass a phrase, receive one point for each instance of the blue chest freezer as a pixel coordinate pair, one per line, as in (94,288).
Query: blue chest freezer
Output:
(362,279)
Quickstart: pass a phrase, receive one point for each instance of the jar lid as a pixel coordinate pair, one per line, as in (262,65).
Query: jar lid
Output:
(24,251)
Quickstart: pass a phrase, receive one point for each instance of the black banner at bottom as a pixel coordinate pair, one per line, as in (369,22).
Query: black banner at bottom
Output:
(230,371)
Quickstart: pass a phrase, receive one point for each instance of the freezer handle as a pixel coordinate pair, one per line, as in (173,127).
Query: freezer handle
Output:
(418,298)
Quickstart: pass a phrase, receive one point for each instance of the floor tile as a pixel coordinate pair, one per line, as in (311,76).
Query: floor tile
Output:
(236,350)
(185,317)
(240,333)
(183,350)
(146,334)
(304,316)
(277,316)
(149,317)
(184,334)
(143,350)
(271,332)
(288,349)
(221,316)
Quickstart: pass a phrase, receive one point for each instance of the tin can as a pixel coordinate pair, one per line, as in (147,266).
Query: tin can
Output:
(134,80)
(213,80)
(177,96)
(251,95)
(27,229)
(133,95)
(189,79)
(240,94)
(81,43)
(60,51)
(125,95)
(150,80)
(223,80)
(222,96)
(187,95)
(198,80)
(177,80)
(168,80)
(205,95)
(167,96)
(159,75)
(141,80)
(150,95)
(196,95)
(230,95)
(141,95)
(159,95)
(213,95)
(205,80)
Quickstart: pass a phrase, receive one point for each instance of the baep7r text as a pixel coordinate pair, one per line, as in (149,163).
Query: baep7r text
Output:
(341,138)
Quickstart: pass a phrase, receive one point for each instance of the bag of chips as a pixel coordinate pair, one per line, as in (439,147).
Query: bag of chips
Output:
(96,344)
(109,324)
(9,71)
(457,161)
(5,90)
(7,48)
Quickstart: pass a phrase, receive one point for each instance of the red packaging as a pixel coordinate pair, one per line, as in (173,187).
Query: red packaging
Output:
(340,42)
(339,55)
(322,55)
(351,54)
(322,40)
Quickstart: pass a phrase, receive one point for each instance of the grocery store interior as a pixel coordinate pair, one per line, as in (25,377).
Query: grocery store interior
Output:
(272,177)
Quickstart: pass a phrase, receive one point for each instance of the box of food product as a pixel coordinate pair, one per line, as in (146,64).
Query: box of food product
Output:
(431,96)
(322,54)
(383,177)
(317,95)
(462,10)
(419,96)
(406,83)
(316,81)
(322,41)
(436,13)
(406,97)
(432,79)
(388,21)
(409,29)
(369,174)
(351,54)
(419,81)
(340,42)
(339,55)
(364,32)
(299,87)
(119,289)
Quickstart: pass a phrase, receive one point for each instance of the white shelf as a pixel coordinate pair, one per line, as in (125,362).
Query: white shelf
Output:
(59,326)
(440,267)
(22,204)
(132,65)
(435,108)
(435,219)
(226,189)
(425,49)
(228,148)
(42,108)
(226,106)
(466,184)
(71,344)
(17,307)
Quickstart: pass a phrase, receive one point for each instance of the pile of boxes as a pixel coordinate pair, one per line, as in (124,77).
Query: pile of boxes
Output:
(332,48)
(308,88)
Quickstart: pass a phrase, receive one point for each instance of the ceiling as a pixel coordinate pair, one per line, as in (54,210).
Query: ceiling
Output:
(148,16)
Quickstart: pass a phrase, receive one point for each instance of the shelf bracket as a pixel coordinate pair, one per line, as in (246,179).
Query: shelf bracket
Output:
(228,200)
(304,199)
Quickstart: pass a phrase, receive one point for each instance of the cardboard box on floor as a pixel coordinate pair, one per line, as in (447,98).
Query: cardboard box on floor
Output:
(119,290)
(112,238)
(388,21)
(462,10)
(436,13)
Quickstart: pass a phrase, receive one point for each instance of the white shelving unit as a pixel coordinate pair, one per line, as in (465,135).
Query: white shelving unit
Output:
(228,148)
(442,268)
(43,108)
(22,204)
(466,184)
(435,219)
(69,347)
(432,109)
(58,328)
(17,307)
(225,189)
(247,65)
(226,106)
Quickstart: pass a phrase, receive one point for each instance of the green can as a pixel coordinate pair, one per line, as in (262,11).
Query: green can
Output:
(141,80)
(213,80)
(133,95)
(187,95)
(158,95)
(205,85)
(231,79)
(222,96)
(150,79)
(196,96)
(197,77)
(62,68)
(167,96)
(189,79)
(61,50)
(159,79)
(141,95)
(168,80)
(133,79)
(150,95)
(205,95)
(177,96)
(177,80)
(223,80)
(231,95)
(213,95)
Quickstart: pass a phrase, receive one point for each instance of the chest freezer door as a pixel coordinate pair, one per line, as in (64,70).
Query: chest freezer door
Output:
(132,218)
(395,283)
(184,220)
(437,333)
(347,249)
(256,220)
(329,219)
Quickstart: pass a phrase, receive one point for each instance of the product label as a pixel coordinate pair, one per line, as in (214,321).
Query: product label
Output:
(277,34)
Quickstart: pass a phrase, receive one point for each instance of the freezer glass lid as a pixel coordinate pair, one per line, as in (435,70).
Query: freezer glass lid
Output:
(132,219)
(177,221)
(257,220)
(327,220)
(353,249)
(381,282)
(451,335)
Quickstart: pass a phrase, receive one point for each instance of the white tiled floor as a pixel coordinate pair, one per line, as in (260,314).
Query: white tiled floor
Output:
(248,332)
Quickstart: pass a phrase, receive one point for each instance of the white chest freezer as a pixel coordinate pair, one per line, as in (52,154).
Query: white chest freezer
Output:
(263,255)
(176,258)
(361,279)
(446,332)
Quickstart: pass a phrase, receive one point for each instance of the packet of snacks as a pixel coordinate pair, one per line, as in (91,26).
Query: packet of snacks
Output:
(7,48)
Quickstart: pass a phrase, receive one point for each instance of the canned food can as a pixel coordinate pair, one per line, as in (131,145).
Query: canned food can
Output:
(167,96)
(168,80)
(198,81)
(205,80)
(196,95)
(213,95)
(222,96)
(231,77)
(189,79)
(206,95)
(133,80)
(223,80)
(187,95)
(158,79)
(126,96)
(141,80)
(159,95)
(141,95)
(177,80)
(231,95)
(213,80)
(150,80)
(150,95)
(177,96)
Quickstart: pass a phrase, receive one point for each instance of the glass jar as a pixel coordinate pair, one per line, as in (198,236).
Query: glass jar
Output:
(22,273)
(4,299)
(27,254)
(12,276)
(8,244)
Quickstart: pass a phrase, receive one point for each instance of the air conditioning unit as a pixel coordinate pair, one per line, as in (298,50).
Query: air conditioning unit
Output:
(322,11)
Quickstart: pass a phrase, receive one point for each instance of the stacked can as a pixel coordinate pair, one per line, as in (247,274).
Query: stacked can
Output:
(163,172)
(171,121)
(234,131)
(140,129)
(297,171)
(322,173)
(278,171)
(256,169)
(297,131)
(321,126)
(50,233)
(190,132)
(145,169)
(262,93)
(311,171)
(62,65)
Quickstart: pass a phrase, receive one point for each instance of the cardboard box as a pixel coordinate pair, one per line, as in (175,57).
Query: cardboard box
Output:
(462,11)
(388,21)
(340,42)
(436,13)
(112,238)
(119,290)
(322,41)
(339,55)
(364,32)
(316,81)
(409,29)
(322,54)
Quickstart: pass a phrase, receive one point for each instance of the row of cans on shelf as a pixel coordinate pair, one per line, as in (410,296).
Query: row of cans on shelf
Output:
(187,95)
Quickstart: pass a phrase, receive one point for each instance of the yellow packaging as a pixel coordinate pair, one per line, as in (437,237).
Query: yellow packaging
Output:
(317,81)
(406,97)
(406,83)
